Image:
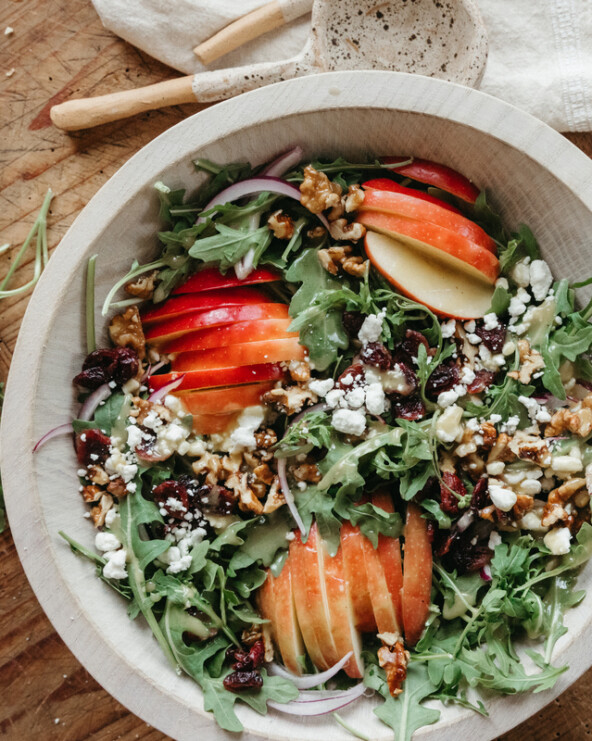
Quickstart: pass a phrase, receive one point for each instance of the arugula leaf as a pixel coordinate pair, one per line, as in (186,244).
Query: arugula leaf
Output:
(522,245)
(231,245)
(264,537)
(107,414)
(313,430)
(321,330)
(374,521)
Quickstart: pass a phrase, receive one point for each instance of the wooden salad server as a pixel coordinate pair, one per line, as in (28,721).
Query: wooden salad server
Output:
(345,35)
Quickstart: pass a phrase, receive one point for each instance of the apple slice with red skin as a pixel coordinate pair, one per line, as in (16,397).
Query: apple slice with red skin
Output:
(308,598)
(213,424)
(437,242)
(401,204)
(169,329)
(382,602)
(230,334)
(276,603)
(417,575)
(208,279)
(436,174)
(216,377)
(248,353)
(389,552)
(341,614)
(447,292)
(355,573)
(202,301)
(393,187)
(225,399)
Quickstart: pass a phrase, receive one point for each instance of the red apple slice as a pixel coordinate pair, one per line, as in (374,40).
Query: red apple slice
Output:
(340,611)
(401,204)
(393,187)
(216,377)
(208,279)
(355,573)
(436,241)
(169,329)
(427,280)
(417,575)
(225,399)
(433,173)
(201,301)
(230,334)
(308,598)
(389,552)
(213,424)
(380,596)
(248,353)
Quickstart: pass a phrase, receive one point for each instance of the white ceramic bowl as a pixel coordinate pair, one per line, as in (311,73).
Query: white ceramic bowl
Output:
(535,176)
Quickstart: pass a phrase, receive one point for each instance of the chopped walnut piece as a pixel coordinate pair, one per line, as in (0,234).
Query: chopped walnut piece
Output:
(318,193)
(353,199)
(489,435)
(141,408)
(265,438)
(577,420)
(299,371)
(281,225)
(316,232)
(355,266)
(264,473)
(566,491)
(290,399)
(275,498)
(524,503)
(251,635)
(552,513)
(98,513)
(530,362)
(97,475)
(340,257)
(530,448)
(126,330)
(341,229)
(211,465)
(247,500)
(394,660)
(501,450)
(92,493)
(117,487)
(143,286)
(267,643)
(307,472)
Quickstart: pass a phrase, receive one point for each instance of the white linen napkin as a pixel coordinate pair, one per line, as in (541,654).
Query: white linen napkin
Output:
(540,51)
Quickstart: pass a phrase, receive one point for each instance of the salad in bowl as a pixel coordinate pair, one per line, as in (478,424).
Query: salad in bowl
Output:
(338,444)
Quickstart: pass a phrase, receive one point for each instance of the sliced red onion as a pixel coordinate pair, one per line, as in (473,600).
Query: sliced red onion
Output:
(245,265)
(251,186)
(310,680)
(464,522)
(288,496)
(162,392)
(485,573)
(89,407)
(321,407)
(285,162)
(320,706)
(152,369)
(65,429)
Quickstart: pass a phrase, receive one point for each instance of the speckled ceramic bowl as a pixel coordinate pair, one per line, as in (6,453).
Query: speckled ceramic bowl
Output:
(533,174)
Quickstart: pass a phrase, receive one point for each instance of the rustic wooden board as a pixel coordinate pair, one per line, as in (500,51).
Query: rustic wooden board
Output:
(60,49)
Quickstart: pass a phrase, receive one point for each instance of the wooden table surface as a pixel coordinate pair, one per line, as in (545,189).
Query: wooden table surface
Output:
(60,49)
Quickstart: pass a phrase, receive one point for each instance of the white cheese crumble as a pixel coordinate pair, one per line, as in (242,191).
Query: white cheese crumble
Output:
(447,398)
(520,273)
(490,321)
(495,468)
(494,539)
(566,464)
(448,427)
(517,307)
(321,387)
(503,499)
(106,542)
(557,541)
(448,328)
(243,437)
(540,279)
(115,566)
(349,421)
(371,329)
(375,399)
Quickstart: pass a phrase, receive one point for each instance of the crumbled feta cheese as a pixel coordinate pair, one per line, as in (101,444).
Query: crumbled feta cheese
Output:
(511,425)
(530,487)
(517,307)
(509,348)
(473,338)
(196,447)
(495,468)
(371,329)
(321,387)
(106,542)
(447,398)
(335,398)
(540,279)
(175,405)
(566,464)
(467,375)
(503,499)
(536,412)
(115,566)
(448,328)
(112,517)
(243,437)
(355,398)
(532,521)
(489,360)
(502,283)
(449,427)
(490,321)
(470,326)
(135,436)
(494,539)
(520,273)
(174,560)
(557,541)
(117,464)
(349,421)
(375,399)
(152,421)
(495,419)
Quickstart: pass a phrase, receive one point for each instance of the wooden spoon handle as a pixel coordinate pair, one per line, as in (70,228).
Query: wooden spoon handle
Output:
(252,25)
(86,112)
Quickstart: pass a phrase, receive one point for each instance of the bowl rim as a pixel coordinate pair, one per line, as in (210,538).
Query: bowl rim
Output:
(334,90)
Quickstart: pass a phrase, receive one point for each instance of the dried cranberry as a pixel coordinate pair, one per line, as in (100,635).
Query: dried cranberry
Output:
(407,407)
(176,492)
(243,680)
(483,380)
(257,653)
(118,364)
(448,500)
(431,529)
(443,378)
(493,339)
(92,447)
(352,376)
(443,540)
(146,450)
(376,354)
(352,322)
(480,496)
(466,556)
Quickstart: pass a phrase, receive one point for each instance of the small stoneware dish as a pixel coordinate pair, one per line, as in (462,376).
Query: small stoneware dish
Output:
(533,174)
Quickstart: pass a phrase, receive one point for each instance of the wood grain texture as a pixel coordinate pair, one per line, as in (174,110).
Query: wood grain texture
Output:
(60,49)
